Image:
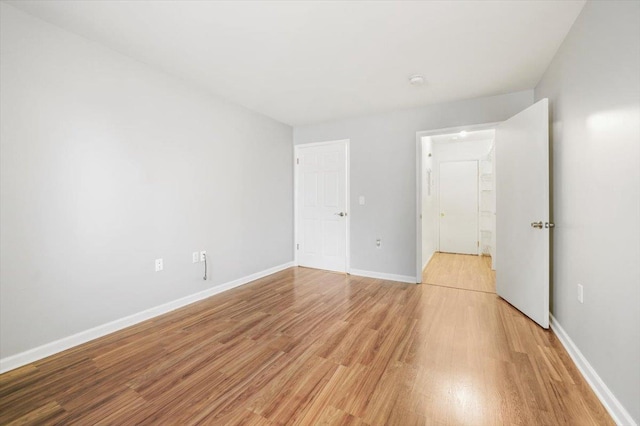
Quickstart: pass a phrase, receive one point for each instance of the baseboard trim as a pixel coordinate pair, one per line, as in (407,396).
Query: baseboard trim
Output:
(48,349)
(428,260)
(617,411)
(383,276)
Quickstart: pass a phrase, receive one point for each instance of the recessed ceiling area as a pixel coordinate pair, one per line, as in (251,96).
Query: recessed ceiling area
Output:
(309,62)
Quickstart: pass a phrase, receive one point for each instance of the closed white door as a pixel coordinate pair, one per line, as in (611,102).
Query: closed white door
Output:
(322,206)
(459,207)
(522,211)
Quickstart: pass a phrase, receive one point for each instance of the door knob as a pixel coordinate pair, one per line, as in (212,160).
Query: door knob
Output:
(341,214)
(537,225)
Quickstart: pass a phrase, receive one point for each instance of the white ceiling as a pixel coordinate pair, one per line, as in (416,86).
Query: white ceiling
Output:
(307,62)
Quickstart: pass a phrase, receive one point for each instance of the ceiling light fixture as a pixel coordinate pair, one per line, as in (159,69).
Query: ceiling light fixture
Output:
(416,80)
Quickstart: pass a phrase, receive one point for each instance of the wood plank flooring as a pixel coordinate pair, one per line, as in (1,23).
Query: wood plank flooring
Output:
(306,347)
(463,271)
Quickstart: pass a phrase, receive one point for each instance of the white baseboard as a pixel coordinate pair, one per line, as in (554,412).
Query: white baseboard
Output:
(617,411)
(48,349)
(424,266)
(383,276)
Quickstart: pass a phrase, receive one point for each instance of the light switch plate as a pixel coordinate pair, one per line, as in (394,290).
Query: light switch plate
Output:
(361,200)
(195,257)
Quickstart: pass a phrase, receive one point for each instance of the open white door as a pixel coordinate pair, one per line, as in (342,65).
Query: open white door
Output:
(522,211)
(321,205)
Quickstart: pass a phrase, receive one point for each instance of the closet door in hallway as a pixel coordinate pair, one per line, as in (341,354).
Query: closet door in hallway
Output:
(459,207)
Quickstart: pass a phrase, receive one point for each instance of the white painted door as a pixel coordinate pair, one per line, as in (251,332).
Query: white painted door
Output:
(459,207)
(522,211)
(322,206)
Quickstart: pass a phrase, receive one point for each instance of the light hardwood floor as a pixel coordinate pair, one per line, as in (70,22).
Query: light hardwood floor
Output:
(464,271)
(309,347)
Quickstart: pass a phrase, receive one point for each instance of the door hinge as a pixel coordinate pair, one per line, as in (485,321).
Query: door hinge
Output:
(297,161)
(477,243)
(297,246)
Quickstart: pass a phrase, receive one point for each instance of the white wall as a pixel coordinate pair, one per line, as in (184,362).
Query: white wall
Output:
(593,85)
(106,165)
(462,150)
(383,168)
(429,203)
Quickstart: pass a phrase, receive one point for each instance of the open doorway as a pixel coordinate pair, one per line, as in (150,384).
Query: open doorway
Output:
(519,222)
(456,202)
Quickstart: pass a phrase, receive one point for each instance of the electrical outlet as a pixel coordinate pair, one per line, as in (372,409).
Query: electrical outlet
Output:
(580,293)
(203,254)
(195,257)
(159,265)
(379,243)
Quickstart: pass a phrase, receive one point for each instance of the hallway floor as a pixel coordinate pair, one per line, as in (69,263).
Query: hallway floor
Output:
(464,271)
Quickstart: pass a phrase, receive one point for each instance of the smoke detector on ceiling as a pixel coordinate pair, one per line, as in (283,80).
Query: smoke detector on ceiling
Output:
(416,80)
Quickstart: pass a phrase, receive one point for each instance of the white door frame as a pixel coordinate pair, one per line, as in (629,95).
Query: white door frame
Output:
(477,201)
(419,166)
(296,149)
